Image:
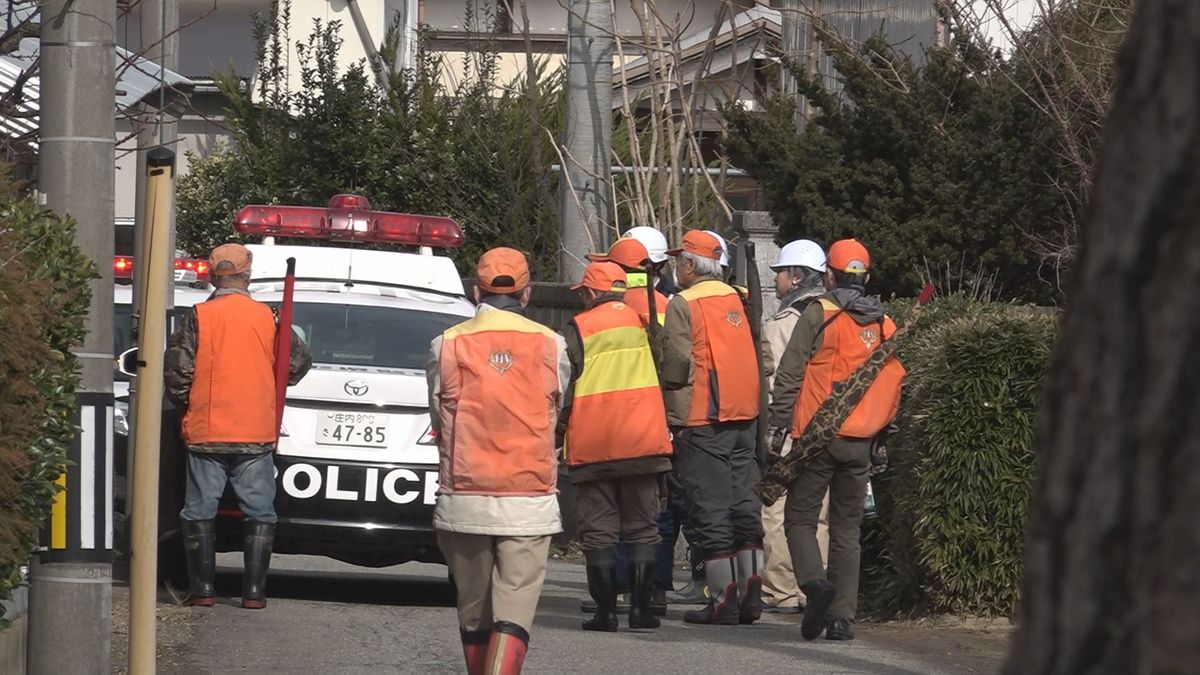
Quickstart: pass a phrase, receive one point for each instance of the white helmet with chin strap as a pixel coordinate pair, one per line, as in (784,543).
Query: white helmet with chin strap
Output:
(801,253)
(724,248)
(652,239)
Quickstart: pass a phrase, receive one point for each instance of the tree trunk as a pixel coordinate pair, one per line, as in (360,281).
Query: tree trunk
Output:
(1112,567)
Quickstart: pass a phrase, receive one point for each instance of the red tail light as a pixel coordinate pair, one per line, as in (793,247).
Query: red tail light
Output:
(123,267)
(349,218)
(200,267)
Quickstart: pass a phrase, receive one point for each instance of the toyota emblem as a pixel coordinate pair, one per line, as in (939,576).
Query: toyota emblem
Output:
(356,387)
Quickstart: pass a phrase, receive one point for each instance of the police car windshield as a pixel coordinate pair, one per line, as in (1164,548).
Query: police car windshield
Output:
(376,337)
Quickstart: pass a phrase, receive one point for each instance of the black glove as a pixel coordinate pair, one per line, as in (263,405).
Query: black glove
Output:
(776,438)
(879,459)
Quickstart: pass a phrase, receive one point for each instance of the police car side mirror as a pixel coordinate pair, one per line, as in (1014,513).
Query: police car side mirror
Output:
(127,362)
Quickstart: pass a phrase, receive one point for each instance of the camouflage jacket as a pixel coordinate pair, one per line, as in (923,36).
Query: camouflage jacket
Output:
(180,367)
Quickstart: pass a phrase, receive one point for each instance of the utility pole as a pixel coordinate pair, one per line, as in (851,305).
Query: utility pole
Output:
(70,583)
(586,190)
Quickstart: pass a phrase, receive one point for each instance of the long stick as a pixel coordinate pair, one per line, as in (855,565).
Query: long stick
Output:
(283,344)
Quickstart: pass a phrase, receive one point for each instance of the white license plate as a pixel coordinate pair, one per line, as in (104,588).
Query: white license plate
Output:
(353,428)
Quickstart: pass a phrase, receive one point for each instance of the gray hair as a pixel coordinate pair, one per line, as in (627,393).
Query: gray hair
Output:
(226,280)
(705,267)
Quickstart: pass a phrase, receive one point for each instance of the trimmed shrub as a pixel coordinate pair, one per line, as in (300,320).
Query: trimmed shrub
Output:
(951,526)
(44,296)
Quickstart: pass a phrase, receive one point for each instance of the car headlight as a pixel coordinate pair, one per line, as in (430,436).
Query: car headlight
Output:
(121,418)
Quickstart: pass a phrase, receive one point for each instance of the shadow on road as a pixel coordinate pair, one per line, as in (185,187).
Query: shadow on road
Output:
(346,587)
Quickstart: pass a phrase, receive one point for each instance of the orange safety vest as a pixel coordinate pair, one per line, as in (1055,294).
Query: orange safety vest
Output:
(637,300)
(726,383)
(618,410)
(232,399)
(499,403)
(844,347)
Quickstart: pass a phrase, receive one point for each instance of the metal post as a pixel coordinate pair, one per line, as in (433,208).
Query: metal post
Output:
(586,190)
(71,582)
(160,170)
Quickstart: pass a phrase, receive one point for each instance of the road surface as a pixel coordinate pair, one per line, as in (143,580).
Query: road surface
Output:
(326,617)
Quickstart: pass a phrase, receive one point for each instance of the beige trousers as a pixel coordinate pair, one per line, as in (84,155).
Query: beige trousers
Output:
(498,578)
(779,587)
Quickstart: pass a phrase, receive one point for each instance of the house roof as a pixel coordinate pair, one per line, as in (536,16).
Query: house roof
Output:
(748,26)
(137,82)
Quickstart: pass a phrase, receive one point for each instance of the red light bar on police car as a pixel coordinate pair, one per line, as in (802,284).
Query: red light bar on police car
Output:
(200,267)
(349,218)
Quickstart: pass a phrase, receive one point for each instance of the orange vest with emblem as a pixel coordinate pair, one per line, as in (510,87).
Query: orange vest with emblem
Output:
(618,410)
(232,399)
(499,403)
(845,346)
(640,302)
(726,384)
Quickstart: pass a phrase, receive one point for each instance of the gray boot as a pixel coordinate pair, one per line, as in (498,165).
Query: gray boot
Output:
(722,608)
(257,540)
(750,563)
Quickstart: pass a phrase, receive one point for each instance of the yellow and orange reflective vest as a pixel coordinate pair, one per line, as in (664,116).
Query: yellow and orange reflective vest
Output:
(844,347)
(232,397)
(617,412)
(726,380)
(498,407)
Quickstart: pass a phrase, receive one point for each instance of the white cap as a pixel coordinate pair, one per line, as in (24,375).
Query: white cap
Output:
(801,253)
(652,239)
(724,248)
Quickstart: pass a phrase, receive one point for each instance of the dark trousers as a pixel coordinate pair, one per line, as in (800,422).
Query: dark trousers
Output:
(671,521)
(717,468)
(843,470)
(617,508)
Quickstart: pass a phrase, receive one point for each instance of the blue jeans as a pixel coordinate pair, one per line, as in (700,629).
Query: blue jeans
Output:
(252,477)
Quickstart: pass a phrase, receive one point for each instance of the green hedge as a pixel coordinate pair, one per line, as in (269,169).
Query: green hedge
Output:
(950,529)
(44,296)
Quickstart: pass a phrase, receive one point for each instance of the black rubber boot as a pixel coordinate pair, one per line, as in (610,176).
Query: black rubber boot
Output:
(602,584)
(200,547)
(257,540)
(641,576)
(722,607)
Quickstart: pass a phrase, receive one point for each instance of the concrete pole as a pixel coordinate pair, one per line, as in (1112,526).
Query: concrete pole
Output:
(71,583)
(586,190)
(790,27)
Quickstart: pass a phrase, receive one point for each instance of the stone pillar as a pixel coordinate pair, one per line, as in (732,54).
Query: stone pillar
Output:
(759,227)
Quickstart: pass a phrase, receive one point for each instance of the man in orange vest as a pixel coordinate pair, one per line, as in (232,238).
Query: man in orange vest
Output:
(220,368)
(632,257)
(831,340)
(616,442)
(711,377)
(496,385)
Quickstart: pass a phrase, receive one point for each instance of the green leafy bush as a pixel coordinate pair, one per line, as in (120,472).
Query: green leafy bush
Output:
(44,296)
(951,526)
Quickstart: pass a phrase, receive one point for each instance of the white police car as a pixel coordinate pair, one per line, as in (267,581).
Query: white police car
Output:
(356,466)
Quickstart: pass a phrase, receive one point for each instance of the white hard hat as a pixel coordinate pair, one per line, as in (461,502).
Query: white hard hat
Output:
(652,239)
(801,253)
(724,248)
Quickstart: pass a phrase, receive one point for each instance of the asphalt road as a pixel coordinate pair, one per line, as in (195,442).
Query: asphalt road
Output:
(326,617)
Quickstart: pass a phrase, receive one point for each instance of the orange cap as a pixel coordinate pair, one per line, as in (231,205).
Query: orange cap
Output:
(502,271)
(701,243)
(850,256)
(629,253)
(228,259)
(603,277)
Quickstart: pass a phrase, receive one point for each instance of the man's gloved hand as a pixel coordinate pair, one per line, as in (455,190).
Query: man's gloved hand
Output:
(879,460)
(776,437)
